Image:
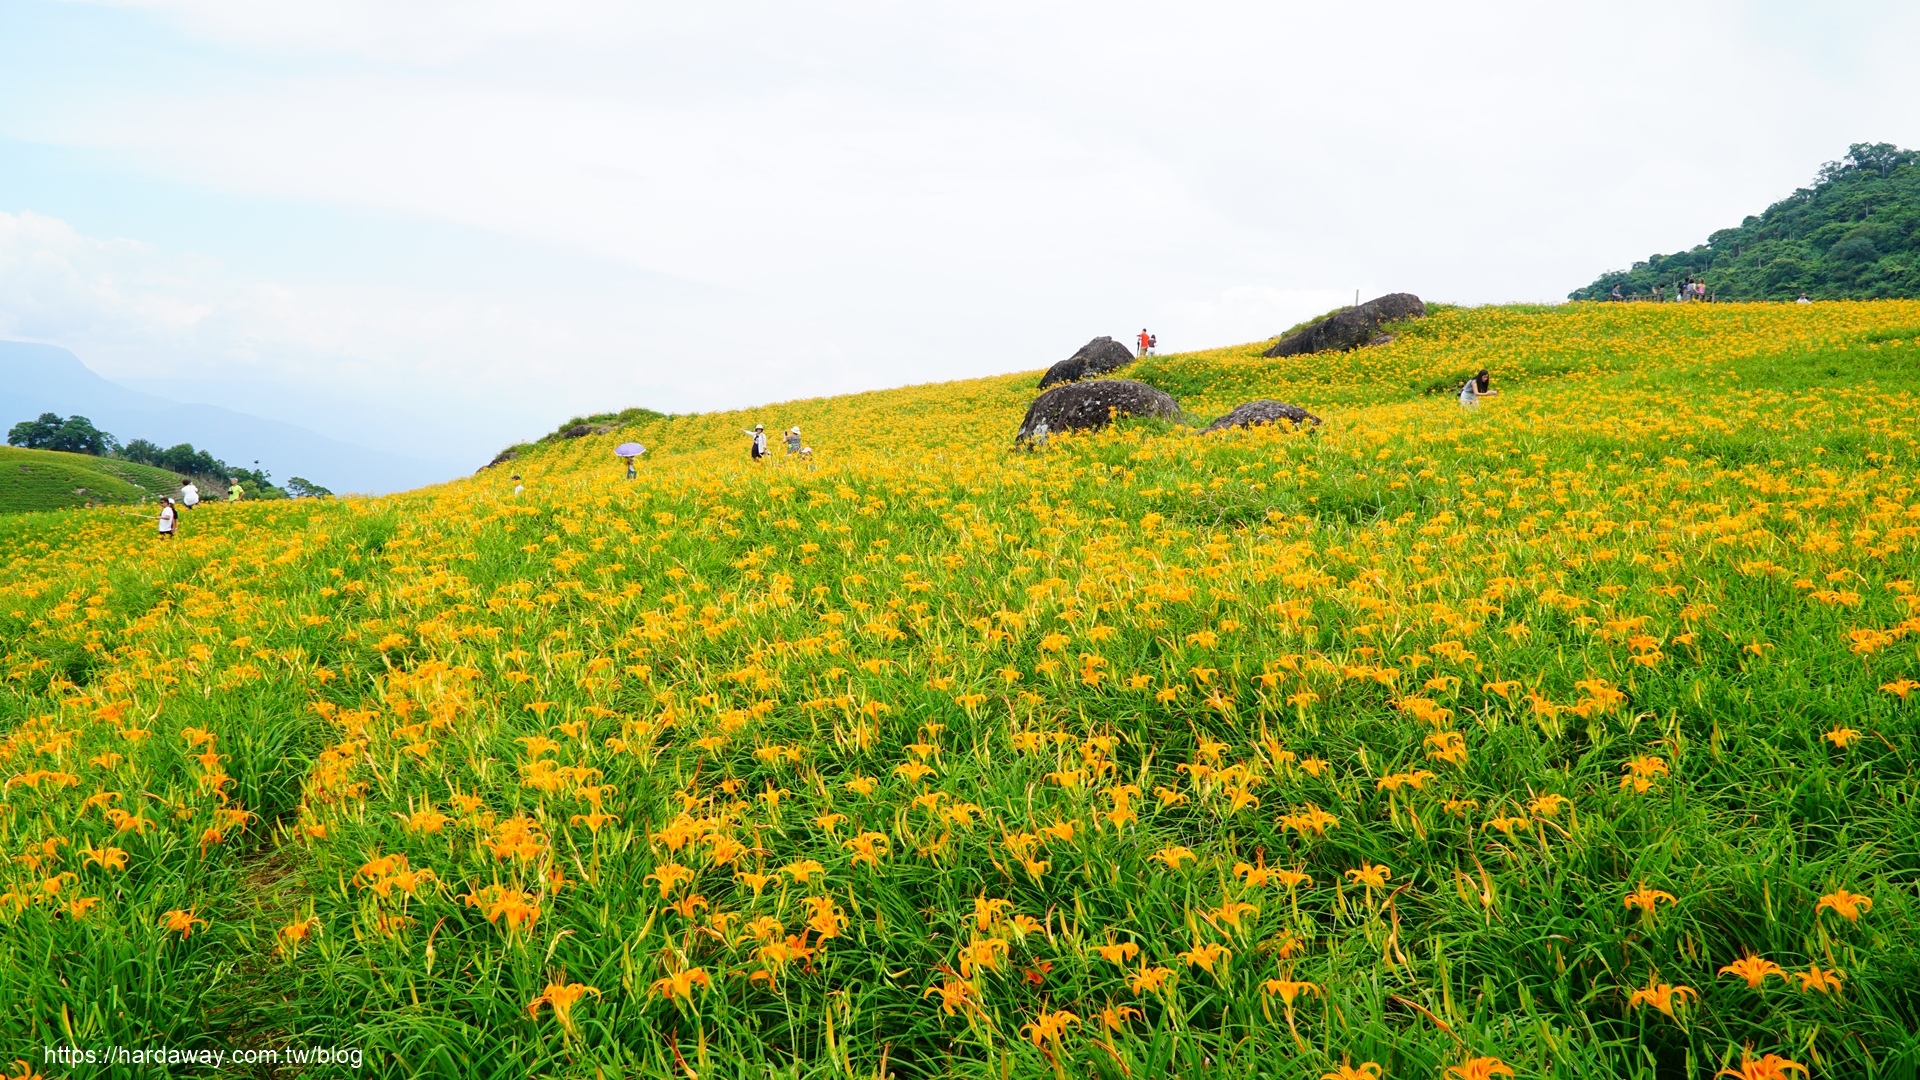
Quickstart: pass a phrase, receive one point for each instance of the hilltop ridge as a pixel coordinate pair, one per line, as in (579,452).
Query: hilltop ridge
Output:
(50,479)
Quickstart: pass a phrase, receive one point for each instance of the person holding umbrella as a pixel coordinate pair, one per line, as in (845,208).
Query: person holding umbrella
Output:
(627,451)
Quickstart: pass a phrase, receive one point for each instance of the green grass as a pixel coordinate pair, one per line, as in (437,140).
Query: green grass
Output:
(50,480)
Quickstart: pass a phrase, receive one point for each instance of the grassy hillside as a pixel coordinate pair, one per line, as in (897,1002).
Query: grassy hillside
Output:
(1853,235)
(1525,737)
(49,480)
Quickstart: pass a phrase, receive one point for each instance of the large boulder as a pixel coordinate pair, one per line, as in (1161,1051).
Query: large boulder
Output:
(1085,406)
(1096,357)
(1264,411)
(1351,328)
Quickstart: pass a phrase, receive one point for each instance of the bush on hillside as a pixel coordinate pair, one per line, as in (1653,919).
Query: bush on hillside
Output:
(597,424)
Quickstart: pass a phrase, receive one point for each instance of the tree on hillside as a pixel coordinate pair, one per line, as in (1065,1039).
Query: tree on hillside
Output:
(302,488)
(73,434)
(1855,234)
(184,459)
(181,458)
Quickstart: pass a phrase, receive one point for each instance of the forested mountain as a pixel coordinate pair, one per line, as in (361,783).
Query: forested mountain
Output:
(1855,234)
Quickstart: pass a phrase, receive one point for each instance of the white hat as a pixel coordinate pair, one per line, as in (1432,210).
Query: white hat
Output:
(795,429)
(759,427)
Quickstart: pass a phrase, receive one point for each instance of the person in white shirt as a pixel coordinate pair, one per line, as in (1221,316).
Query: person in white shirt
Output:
(758,449)
(189,495)
(167,516)
(1803,299)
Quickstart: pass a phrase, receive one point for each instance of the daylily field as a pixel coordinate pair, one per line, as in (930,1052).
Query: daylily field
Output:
(1573,736)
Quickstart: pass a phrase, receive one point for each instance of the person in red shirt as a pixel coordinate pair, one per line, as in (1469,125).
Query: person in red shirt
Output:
(1146,341)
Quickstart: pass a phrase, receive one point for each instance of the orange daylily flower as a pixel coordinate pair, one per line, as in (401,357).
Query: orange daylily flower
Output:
(1753,969)
(1847,905)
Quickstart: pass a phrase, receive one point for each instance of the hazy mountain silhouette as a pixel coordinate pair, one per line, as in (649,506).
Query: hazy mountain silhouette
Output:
(46,378)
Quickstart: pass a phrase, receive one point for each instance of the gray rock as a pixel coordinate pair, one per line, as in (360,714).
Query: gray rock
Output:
(1351,328)
(1096,357)
(1090,405)
(1264,411)
(578,431)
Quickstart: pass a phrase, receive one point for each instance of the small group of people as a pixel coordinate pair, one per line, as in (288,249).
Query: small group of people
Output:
(757,449)
(189,498)
(1148,342)
(1685,290)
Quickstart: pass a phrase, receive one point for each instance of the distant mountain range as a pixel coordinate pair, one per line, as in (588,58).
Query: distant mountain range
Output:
(46,378)
(1853,235)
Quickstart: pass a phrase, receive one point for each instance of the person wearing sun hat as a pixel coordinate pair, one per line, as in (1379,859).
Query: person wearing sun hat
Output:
(793,440)
(758,448)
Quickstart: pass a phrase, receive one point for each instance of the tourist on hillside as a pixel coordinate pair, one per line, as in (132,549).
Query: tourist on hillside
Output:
(1481,385)
(189,495)
(1146,341)
(167,518)
(234,494)
(518,487)
(1616,294)
(758,448)
(793,440)
(1803,299)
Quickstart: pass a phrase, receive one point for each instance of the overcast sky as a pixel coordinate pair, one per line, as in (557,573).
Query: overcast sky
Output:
(442,221)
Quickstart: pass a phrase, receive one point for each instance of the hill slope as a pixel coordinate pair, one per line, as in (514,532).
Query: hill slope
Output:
(1855,234)
(1427,736)
(49,480)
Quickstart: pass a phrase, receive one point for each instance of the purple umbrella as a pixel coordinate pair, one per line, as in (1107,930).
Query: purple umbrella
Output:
(629,450)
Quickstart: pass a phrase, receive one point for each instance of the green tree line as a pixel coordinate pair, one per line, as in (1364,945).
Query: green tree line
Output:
(1853,235)
(77,435)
